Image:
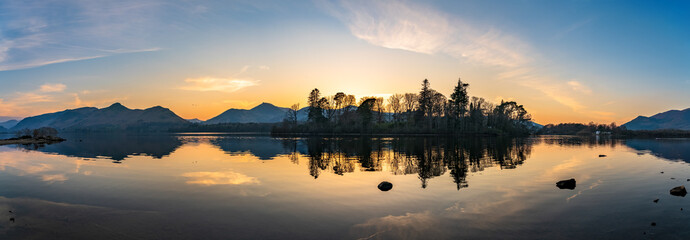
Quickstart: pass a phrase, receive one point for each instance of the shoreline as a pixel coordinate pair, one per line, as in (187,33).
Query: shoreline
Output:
(30,141)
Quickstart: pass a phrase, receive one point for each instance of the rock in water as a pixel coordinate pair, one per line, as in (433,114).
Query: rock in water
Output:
(602,155)
(679,191)
(566,184)
(385,186)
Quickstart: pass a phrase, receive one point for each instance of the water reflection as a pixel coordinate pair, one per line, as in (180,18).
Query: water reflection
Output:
(426,157)
(208,187)
(111,146)
(672,149)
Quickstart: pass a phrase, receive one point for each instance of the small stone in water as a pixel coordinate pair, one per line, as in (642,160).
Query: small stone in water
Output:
(385,186)
(679,191)
(566,184)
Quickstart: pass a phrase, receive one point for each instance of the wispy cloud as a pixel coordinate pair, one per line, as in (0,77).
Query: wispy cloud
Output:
(34,36)
(573,27)
(27,102)
(418,28)
(93,99)
(56,87)
(217,84)
(578,86)
(31,97)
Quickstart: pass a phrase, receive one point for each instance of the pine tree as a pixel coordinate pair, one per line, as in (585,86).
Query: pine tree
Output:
(459,100)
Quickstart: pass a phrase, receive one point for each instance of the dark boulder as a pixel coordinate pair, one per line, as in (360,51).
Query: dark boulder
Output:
(602,155)
(566,184)
(385,186)
(679,191)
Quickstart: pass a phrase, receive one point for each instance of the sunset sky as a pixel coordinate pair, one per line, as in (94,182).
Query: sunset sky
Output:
(566,61)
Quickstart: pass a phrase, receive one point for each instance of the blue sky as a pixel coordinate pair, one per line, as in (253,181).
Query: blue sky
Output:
(566,61)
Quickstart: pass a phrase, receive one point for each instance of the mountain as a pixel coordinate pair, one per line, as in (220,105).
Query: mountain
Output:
(9,123)
(6,118)
(114,117)
(3,129)
(263,113)
(674,119)
(195,120)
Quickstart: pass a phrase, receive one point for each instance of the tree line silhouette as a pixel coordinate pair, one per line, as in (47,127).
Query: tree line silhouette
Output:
(425,112)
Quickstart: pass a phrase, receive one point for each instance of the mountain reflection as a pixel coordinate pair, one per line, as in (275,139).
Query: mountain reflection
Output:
(264,148)
(111,146)
(671,149)
(426,157)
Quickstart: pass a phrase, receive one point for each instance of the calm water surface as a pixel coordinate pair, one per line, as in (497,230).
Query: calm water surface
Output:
(257,187)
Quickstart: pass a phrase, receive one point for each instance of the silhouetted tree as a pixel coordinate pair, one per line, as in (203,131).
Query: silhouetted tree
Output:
(292,114)
(425,101)
(395,106)
(315,106)
(427,112)
(365,111)
(458,101)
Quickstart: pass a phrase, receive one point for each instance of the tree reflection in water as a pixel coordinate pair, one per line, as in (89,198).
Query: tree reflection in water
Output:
(428,157)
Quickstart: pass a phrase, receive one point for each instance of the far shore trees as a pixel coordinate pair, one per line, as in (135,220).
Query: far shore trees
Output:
(428,111)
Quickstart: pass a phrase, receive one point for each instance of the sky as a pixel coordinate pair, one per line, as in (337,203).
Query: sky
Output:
(565,61)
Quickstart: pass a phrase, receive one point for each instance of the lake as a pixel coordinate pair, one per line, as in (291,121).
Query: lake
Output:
(219,186)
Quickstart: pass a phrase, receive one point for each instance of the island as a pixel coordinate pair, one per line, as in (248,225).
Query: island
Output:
(44,135)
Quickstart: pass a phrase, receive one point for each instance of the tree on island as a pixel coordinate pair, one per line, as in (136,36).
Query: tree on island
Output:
(429,111)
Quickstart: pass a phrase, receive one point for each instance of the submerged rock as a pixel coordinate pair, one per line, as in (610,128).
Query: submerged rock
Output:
(602,155)
(566,184)
(385,186)
(679,191)
(656,200)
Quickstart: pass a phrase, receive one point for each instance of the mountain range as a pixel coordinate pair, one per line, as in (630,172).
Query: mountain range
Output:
(119,117)
(263,113)
(674,119)
(114,117)
(9,123)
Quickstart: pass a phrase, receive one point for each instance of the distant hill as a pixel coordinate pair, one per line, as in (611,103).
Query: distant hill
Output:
(674,119)
(6,118)
(114,117)
(195,120)
(9,123)
(263,113)
(3,129)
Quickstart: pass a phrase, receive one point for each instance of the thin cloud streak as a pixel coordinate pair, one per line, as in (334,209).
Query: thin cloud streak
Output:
(205,84)
(34,36)
(57,87)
